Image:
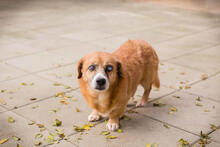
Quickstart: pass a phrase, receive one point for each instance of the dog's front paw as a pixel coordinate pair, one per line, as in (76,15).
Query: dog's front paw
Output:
(141,103)
(112,126)
(93,117)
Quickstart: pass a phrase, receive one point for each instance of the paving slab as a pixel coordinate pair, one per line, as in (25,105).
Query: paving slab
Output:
(40,61)
(134,134)
(215,135)
(66,75)
(65,112)
(77,50)
(206,113)
(212,144)
(206,60)
(20,129)
(15,94)
(8,72)
(181,46)
(175,76)
(208,88)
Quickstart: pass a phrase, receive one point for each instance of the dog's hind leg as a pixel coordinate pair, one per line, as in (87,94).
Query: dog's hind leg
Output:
(145,97)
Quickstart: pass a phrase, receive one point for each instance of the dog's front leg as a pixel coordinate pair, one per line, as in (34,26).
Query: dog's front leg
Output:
(113,122)
(94,116)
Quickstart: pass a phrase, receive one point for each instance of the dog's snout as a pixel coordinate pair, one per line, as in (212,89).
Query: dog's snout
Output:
(101,81)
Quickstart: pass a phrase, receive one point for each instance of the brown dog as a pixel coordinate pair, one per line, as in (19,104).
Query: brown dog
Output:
(108,81)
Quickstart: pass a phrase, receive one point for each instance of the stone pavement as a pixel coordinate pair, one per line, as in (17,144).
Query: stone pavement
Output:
(41,42)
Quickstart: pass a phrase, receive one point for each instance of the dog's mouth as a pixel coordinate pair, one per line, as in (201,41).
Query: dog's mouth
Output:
(100,88)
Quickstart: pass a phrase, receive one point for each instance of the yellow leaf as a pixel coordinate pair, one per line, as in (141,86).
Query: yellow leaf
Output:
(57,122)
(154,145)
(37,136)
(2,101)
(16,138)
(33,99)
(3,140)
(91,125)
(199,104)
(111,137)
(40,125)
(86,127)
(56,84)
(206,110)
(105,133)
(77,109)
(24,84)
(165,125)
(60,94)
(11,120)
(119,131)
(187,87)
(173,109)
(148,145)
(63,101)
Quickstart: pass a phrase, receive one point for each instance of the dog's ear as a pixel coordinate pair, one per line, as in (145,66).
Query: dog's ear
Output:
(80,65)
(119,70)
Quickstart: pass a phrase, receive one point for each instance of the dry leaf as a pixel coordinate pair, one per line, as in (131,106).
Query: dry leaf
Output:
(42,129)
(3,140)
(60,94)
(37,136)
(204,76)
(18,145)
(2,101)
(165,125)
(11,120)
(158,104)
(213,127)
(24,84)
(77,109)
(187,86)
(40,125)
(57,122)
(125,117)
(173,109)
(105,133)
(154,145)
(67,87)
(63,101)
(33,99)
(119,131)
(16,138)
(31,123)
(198,104)
(78,129)
(38,143)
(206,110)
(111,137)
(56,84)
(175,96)
(182,73)
(198,98)
(183,143)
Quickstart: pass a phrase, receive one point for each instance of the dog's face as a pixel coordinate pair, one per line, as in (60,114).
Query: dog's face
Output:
(99,71)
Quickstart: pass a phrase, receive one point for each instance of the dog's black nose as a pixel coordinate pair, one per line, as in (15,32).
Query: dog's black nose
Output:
(101,81)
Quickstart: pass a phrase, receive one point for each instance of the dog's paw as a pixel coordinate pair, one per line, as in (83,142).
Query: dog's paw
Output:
(93,117)
(112,126)
(141,103)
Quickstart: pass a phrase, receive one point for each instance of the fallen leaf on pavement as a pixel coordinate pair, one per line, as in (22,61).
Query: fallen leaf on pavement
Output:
(38,143)
(214,127)
(158,104)
(11,120)
(173,109)
(2,101)
(111,137)
(119,131)
(33,99)
(37,136)
(183,143)
(18,145)
(105,133)
(204,76)
(56,84)
(148,145)
(24,84)
(175,96)
(187,87)
(165,125)
(198,104)
(40,125)
(77,109)
(63,101)
(206,110)
(31,123)
(125,117)
(42,129)
(57,122)
(198,98)
(60,94)
(3,140)
(16,138)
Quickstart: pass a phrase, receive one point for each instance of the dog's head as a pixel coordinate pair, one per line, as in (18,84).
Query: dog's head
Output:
(99,71)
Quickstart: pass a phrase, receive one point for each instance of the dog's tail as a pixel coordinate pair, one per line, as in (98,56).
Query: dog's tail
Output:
(156,82)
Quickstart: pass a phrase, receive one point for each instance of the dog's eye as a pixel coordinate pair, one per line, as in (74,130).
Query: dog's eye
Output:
(91,68)
(108,68)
